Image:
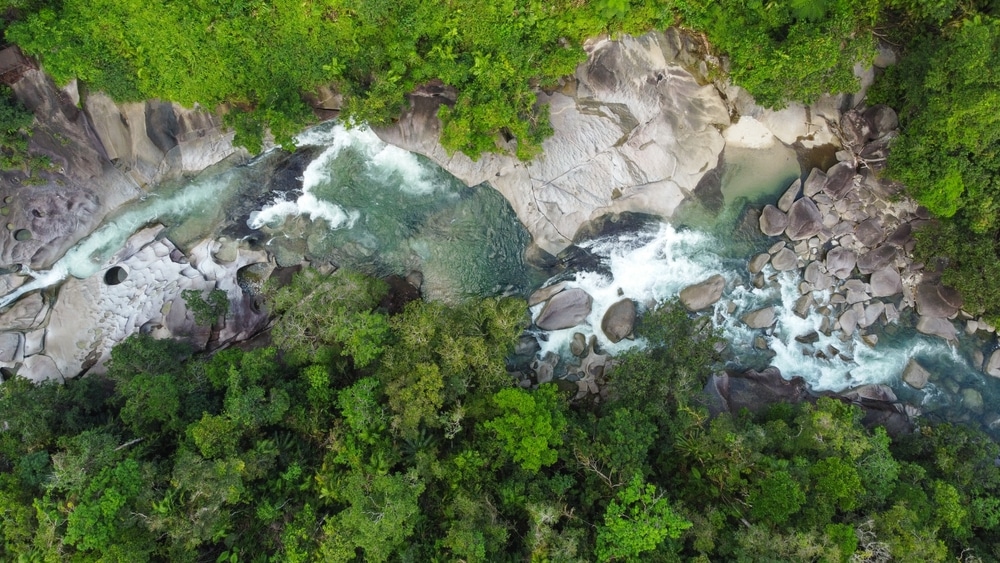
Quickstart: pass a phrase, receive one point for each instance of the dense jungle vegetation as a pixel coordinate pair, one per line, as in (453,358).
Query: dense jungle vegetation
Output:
(360,434)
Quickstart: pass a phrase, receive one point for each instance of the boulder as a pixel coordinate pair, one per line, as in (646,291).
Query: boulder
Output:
(886,282)
(876,259)
(993,365)
(791,194)
(704,294)
(881,119)
(840,262)
(545,293)
(814,182)
(848,322)
(578,345)
(871,392)
(935,300)
(972,399)
(773,221)
(758,262)
(937,326)
(10,344)
(565,309)
(804,220)
(803,304)
(839,180)
(761,318)
(619,320)
(872,313)
(784,260)
(753,390)
(915,375)
(869,232)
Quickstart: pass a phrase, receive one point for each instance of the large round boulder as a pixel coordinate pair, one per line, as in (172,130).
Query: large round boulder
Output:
(804,220)
(773,221)
(565,309)
(704,294)
(915,375)
(761,318)
(935,300)
(886,282)
(840,262)
(619,320)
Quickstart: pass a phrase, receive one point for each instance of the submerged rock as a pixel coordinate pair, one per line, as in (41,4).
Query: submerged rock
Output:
(993,365)
(565,309)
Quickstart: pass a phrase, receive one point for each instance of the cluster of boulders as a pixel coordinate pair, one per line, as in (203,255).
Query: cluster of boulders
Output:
(59,335)
(564,307)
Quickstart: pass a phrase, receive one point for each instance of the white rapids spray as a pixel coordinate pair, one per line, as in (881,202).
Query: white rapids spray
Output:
(383,162)
(653,267)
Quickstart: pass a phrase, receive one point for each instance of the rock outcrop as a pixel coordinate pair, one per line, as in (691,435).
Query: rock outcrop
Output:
(634,130)
(103,154)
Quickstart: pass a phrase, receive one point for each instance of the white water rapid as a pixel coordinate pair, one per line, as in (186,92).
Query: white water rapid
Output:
(654,266)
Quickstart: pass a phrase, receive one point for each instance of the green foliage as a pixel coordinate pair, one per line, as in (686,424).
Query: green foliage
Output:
(529,426)
(206,311)
(788,51)
(15,130)
(318,311)
(636,521)
(776,497)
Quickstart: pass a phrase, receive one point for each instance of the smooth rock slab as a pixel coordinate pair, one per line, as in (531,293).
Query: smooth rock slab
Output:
(565,309)
(935,300)
(788,198)
(886,282)
(758,262)
(937,326)
(773,221)
(876,259)
(869,232)
(704,294)
(545,293)
(619,320)
(839,181)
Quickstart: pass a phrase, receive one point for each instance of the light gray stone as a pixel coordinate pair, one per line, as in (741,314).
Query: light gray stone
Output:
(915,375)
(703,294)
(993,365)
(784,260)
(565,309)
(840,262)
(886,282)
(761,318)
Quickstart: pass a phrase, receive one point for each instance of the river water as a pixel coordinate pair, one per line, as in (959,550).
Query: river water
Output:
(347,198)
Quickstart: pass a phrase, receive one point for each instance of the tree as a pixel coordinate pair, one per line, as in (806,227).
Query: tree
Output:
(530,424)
(636,521)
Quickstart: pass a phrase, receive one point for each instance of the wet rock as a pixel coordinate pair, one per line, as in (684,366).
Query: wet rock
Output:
(619,320)
(788,198)
(545,293)
(578,345)
(803,304)
(761,318)
(773,221)
(937,326)
(872,392)
(804,220)
(545,367)
(886,282)
(808,338)
(934,300)
(758,262)
(704,294)
(840,262)
(915,375)
(993,365)
(876,259)
(891,313)
(759,342)
(871,340)
(784,260)
(565,309)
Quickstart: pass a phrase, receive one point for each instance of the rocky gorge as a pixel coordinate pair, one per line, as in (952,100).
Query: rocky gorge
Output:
(640,128)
